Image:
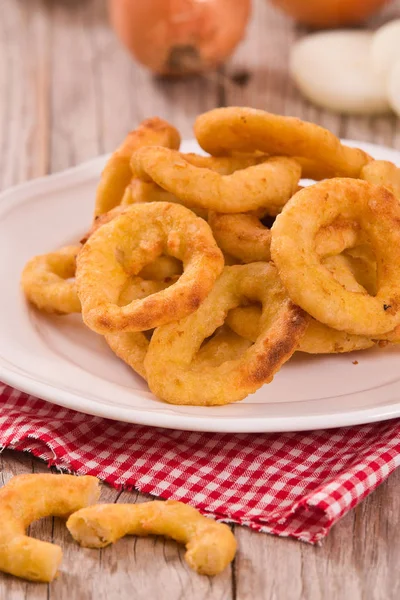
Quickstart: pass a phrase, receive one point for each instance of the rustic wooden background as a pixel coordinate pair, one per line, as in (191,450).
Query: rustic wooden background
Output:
(69,92)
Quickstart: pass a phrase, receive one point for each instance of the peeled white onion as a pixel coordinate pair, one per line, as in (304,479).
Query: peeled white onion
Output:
(393,87)
(333,69)
(385,49)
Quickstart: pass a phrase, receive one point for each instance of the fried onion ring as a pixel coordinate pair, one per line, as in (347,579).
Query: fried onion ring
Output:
(307,280)
(146,191)
(319,339)
(242,236)
(171,373)
(223,346)
(268,184)
(45,281)
(26,498)
(383,172)
(117,173)
(240,129)
(210,546)
(121,248)
(132,347)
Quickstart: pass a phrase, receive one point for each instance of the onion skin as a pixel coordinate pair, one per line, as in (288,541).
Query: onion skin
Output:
(330,13)
(180,37)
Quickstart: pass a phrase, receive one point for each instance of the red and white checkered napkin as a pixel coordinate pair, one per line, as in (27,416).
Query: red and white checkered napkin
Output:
(292,484)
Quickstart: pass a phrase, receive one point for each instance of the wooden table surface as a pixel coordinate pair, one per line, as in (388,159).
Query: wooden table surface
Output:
(69,92)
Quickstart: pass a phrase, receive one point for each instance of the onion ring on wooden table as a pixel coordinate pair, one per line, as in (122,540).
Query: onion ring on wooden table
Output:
(383,172)
(241,129)
(318,339)
(26,498)
(268,184)
(210,546)
(117,173)
(308,281)
(121,248)
(46,281)
(170,366)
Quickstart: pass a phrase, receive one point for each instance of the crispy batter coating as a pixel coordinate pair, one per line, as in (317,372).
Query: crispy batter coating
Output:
(319,339)
(383,172)
(241,129)
(309,282)
(241,235)
(46,281)
(171,370)
(29,497)
(210,546)
(268,184)
(117,173)
(148,191)
(121,248)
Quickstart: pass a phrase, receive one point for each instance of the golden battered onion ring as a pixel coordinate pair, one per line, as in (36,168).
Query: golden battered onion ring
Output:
(160,269)
(242,236)
(117,173)
(268,184)
(224,165)
(246,238)
(102,220)
(334,238)
(146,191)
(171,373)
(240,129)
(210,546)
(163,268)
(223,346)
(121,248)
(45,281)
(131,348)
(318,339)
(26,498)
(310,284)
(383,172)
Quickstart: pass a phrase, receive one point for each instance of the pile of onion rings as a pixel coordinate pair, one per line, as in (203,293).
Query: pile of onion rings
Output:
(205,274)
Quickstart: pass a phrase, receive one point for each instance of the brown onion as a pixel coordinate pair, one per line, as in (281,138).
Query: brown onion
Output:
(330,13)
(178,37)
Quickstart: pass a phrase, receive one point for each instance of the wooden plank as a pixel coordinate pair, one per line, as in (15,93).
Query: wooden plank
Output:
(74,98)
(24,85)
(357,560)
(99,92)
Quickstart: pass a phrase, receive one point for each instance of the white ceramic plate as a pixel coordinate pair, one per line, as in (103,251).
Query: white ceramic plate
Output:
(60,360)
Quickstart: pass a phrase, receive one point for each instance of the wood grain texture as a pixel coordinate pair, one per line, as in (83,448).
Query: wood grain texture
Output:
(68,92)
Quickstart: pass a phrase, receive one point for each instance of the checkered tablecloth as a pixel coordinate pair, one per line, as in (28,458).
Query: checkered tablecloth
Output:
(291,484)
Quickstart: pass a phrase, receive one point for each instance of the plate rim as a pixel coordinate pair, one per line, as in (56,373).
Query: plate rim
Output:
(48,392)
